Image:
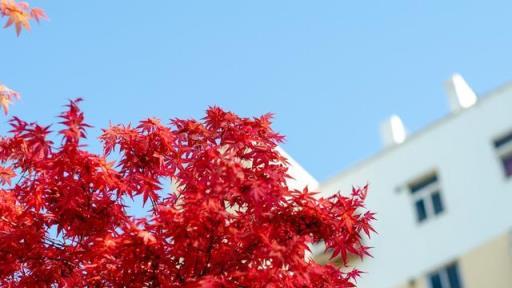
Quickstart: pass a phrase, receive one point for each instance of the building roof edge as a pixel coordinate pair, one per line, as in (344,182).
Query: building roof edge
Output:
(431,126)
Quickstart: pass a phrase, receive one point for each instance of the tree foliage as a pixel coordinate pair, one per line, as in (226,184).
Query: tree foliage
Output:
(232,221)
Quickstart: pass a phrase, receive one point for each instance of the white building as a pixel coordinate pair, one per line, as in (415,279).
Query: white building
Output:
(443,197)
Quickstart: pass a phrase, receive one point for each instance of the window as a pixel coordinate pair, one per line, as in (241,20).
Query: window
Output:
(507,164)
(446,277)
(503,147)
(427,199)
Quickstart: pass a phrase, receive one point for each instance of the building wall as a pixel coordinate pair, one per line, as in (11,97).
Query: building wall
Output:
(489,265)
(300,177)
(416,284)
(476,195)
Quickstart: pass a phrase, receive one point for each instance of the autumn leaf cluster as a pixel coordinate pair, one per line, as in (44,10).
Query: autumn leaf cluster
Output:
(19,14)
(7,96)
(231,220)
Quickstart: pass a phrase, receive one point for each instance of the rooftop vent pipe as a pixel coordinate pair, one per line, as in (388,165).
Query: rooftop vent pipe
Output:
(392,131)
(460,94)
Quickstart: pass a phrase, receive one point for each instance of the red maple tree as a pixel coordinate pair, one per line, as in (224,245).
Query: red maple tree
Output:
(232,221)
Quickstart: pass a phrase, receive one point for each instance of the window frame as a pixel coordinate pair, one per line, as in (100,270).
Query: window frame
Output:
(425,193)
(444,277)
(506,157)
(503,149)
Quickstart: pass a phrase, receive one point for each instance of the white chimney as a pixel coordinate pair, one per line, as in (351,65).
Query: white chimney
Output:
(392,131)
(460,94)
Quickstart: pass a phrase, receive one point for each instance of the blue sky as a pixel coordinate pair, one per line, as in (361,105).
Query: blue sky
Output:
(331,71)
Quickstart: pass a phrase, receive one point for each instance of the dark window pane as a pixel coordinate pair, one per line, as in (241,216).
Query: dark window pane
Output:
(435,281)
(453,276)
(507,165)
(503,140)
(423,183)
(421,211)
(437,202)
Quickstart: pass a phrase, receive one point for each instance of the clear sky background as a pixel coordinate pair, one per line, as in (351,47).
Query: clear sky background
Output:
(331,71)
